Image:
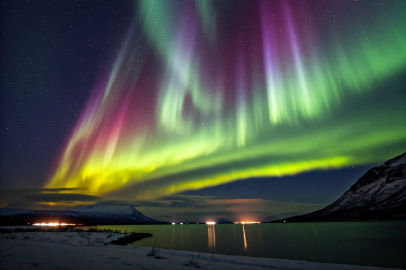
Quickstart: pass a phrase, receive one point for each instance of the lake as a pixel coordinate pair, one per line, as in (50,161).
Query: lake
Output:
(380,244)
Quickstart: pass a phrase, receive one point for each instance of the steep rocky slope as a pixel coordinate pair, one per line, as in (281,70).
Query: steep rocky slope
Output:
(380,194)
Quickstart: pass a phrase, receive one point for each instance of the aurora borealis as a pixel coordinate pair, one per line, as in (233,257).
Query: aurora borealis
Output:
(194,100)
(197,94)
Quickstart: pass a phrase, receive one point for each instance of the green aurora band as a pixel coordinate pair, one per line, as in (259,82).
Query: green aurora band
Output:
(197,98)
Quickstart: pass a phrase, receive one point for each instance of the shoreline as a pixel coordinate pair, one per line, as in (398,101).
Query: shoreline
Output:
(78,250)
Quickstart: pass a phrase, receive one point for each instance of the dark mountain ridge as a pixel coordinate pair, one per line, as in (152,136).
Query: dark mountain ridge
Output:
(101,213)
(380,194)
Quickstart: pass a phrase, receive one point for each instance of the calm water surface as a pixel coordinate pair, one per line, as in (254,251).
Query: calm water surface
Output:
(364,243)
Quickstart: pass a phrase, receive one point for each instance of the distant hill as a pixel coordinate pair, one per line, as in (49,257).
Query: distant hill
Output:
(103,213)
(7,221)
(380,194)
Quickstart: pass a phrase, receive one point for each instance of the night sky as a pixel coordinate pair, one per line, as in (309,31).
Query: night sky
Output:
(196,110)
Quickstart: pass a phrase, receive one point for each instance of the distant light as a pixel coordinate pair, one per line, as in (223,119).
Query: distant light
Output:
(247,222)
(181,223)
(210,222)
(173,223)
(53,224)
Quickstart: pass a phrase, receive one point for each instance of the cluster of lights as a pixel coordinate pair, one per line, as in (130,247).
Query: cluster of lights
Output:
(54,224)
(247,222)
(213,223)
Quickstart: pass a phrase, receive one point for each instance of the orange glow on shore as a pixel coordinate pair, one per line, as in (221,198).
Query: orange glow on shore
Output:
(247,222)
(54,224)
(210,223)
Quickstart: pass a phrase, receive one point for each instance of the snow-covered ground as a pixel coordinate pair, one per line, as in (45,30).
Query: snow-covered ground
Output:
(72,250)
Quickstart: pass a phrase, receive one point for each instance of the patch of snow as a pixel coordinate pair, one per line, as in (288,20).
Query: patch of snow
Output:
(400,161)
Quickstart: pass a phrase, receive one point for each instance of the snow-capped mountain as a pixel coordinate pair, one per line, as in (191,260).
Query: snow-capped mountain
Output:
(107,212)
(379,194)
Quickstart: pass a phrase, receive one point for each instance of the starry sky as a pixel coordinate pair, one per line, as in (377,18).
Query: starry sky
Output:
(196,110)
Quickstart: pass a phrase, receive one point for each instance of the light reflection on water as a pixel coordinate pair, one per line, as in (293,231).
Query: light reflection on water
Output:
(211,232)
(381,244)
(245,238)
